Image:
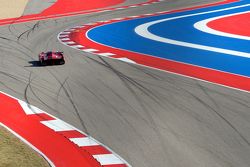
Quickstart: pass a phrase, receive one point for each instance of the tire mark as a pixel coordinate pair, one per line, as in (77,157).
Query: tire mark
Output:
(72,103)
(130,80)
(217,112)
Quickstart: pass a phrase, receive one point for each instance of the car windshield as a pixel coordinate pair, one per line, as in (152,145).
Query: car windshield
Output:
(49,53)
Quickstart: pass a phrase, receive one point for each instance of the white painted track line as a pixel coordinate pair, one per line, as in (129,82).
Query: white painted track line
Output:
(126,60)
(108,159)
(70,42)
(58,125)
(77,46)
(29,109)
(84,141)
(106,54)
(90,50)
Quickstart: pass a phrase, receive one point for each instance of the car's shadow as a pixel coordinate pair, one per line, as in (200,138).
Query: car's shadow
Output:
(35,64)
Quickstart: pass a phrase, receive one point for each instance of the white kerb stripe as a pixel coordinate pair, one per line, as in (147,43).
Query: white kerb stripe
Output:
(77,46)
(70,42)
(108,159)
(90,24)
(29,109)
(65,39)
(133,16)
(58,125)
(106,54)
(84,141)
(119,8)
(162,12)
(118,19)
(106,21)
(65,32)
(126,60)
(89,50)
(105,10)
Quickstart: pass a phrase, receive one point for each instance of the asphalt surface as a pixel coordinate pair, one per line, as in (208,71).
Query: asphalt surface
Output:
(150,118)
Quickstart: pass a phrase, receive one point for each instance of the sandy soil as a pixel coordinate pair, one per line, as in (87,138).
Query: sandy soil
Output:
(12,8)
(14,153)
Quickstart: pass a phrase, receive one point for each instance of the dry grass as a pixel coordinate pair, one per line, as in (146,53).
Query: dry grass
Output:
(14,153)
(12,8)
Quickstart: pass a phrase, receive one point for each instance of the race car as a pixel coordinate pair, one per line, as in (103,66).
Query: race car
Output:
(51,58)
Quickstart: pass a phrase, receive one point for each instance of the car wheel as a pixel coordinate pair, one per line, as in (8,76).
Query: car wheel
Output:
(61,62)
(43,63)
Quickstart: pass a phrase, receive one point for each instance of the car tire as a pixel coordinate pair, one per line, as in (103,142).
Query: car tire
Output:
(61,62)
(42,62)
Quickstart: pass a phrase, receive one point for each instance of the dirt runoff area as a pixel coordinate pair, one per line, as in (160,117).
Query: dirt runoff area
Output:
(12,8)
(15,153)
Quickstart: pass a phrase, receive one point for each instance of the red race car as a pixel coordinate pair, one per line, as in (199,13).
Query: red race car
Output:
(51,58)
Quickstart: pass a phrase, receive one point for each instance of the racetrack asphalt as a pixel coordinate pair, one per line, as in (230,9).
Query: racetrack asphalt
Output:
(148,117)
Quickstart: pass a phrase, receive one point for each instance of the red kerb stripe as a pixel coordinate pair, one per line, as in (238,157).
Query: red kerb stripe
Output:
(95,150)
(71,134)
(41,117)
